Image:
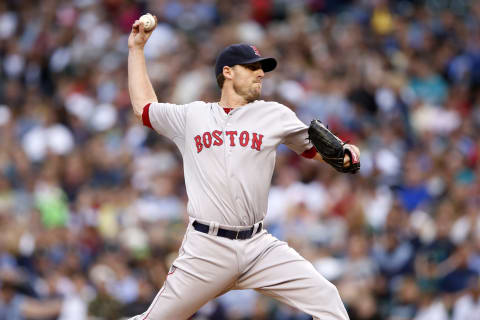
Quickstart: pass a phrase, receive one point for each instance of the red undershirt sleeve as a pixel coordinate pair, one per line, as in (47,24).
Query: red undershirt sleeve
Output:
(310,153)
(146,117)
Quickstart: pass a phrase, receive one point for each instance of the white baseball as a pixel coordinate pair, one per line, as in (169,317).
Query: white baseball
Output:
(148,21)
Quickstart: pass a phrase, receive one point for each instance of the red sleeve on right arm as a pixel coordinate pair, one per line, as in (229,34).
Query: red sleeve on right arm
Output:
(146,117)
(310,153)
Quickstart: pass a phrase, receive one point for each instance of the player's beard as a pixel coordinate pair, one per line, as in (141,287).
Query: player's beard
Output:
(249,94)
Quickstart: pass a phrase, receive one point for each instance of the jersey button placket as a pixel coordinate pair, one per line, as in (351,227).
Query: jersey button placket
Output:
(229,148)
(228,152)
(227,144)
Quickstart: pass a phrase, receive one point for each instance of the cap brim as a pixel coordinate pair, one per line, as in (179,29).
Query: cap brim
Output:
(268,64)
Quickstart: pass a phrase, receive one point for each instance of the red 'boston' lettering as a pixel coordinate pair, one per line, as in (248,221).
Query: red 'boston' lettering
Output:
(257,141)
(198,143)
(215,138)
(244,137)
(207,139)
(218,139)
(231,134)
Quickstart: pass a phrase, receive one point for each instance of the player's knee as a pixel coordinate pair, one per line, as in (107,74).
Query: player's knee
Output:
(332,290)
(335,305)
(328,289)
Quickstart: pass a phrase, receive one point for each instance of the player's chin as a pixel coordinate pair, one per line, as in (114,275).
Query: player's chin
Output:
(254,95)
(256,91)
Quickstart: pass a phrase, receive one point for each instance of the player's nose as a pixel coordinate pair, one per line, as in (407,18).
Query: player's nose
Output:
(260,73)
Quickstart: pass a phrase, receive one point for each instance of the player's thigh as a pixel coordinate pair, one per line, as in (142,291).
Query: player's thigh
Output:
(204,269)
(181,296)
(280,272)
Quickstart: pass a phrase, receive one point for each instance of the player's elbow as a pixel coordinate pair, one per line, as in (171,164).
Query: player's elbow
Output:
(139,117)
(139,108)
(138,111)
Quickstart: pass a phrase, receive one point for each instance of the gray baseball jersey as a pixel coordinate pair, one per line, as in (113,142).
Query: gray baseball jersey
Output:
(228,160)
(228,157)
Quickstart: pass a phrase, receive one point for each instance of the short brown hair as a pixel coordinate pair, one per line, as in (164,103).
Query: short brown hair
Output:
(220,80)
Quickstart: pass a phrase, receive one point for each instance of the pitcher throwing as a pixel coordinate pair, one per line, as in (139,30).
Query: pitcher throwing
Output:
(228,149)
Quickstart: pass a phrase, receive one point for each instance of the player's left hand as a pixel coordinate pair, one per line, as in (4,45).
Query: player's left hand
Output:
(351,158)
(341,156)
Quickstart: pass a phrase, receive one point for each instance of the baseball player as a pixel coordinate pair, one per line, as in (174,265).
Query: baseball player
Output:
(228,149)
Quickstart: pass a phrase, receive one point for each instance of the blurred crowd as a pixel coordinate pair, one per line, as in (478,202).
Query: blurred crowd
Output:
(93,204)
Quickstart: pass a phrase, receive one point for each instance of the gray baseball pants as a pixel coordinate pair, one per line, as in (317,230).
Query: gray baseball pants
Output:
(209,266)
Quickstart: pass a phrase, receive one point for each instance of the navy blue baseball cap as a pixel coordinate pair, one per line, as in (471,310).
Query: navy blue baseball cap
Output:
(242,54)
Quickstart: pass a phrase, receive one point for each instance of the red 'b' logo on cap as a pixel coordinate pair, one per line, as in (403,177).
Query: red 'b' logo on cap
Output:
(255,50)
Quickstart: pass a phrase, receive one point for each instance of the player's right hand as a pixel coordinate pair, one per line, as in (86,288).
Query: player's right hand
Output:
(138,36)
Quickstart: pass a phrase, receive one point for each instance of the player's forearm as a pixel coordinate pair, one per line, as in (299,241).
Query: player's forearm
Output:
(139,85)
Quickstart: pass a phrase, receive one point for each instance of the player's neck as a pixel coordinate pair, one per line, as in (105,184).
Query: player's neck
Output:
(231,100)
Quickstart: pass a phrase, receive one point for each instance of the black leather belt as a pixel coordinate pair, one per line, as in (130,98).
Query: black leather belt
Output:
(230,234)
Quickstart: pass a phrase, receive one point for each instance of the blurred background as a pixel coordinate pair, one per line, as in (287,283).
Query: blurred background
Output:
(93,205)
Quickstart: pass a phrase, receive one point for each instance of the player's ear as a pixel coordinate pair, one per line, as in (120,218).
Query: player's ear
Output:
(228,72)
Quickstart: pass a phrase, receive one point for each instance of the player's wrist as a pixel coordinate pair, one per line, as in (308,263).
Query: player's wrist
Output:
(136,48)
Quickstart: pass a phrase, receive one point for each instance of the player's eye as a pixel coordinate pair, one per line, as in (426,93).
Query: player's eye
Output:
(253,67)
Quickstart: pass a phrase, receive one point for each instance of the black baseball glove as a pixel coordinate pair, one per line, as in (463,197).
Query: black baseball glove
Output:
(331,148)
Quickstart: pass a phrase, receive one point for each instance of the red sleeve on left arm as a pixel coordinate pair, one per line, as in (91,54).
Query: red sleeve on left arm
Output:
(310,153)
(146,117)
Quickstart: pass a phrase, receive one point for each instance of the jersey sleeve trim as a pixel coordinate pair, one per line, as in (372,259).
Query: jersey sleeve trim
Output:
(146,116)
(310,153)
